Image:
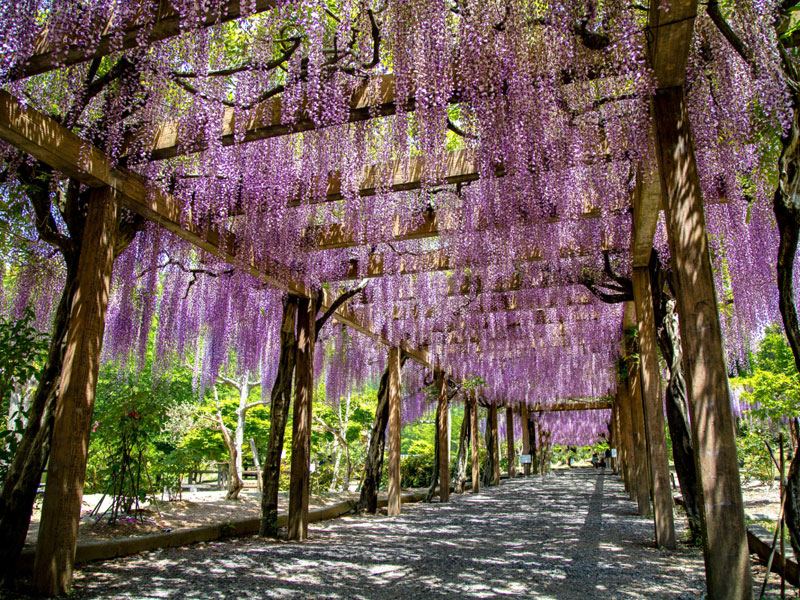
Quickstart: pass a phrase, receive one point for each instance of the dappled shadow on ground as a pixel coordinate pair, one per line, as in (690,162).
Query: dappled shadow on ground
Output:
(573,535)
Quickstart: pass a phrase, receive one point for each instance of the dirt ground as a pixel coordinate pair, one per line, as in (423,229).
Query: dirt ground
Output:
(761,504)
(193,510)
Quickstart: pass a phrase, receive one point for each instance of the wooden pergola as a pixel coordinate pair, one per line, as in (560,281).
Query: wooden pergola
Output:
(638,419)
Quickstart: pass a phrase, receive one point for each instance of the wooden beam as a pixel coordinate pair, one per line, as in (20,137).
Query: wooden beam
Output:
(432,261)
(573,405)
(301,421)
(375,98)
(653,410)
(341,236)
(66,474)
(670,28)
(49,55)
(724,536)
(48,141)
(444,445)
(646,207)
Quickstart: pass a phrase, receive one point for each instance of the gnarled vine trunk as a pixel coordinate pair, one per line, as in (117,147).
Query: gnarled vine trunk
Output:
(20,486)
(464,440)
(786,206)
(489,461)
(435,474)
(669,342)
(373,464)
(280,400)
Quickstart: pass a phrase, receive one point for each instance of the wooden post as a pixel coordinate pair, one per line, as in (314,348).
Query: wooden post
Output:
(641,479)
(476,447)
(626,438)
(511,455)
(495,449)
(653,410)
(301,417)
(444,447)
(66,474)
(394,432)
(724,536)
(524,415)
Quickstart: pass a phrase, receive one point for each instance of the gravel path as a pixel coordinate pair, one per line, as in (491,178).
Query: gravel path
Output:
(573,536)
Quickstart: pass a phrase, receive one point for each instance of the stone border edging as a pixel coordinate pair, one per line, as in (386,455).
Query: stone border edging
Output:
(107,549)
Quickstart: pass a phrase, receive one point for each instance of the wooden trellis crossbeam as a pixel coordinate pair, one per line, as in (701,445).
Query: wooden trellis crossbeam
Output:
(430,261)
(167,24)
(376,98)
(340,236)
(48,141)
(507,303)
(571,406)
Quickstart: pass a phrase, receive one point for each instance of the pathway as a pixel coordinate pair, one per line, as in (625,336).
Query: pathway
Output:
(572,536)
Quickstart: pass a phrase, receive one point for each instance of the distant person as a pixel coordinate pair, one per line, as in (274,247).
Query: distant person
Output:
(595,460)
(607,459)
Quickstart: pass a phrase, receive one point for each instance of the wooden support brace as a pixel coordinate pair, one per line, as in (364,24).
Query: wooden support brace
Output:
(444,446)
(301,425)
(394,432)
(61,510)
(724,536)
(653,410)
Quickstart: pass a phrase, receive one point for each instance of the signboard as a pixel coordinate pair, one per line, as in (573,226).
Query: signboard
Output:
(525,459)
(613,453)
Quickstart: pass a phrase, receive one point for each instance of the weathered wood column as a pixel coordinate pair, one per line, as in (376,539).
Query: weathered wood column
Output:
(653,410)
(66,474)
(524,415)
(301,417)
(626,438)
(724,537)
(510,453)
(476,447)
(394,432)
(444,446)
(640,476)
(495,449)
(615,435)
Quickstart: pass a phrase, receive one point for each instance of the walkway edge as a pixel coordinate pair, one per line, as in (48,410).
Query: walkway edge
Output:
(108,549)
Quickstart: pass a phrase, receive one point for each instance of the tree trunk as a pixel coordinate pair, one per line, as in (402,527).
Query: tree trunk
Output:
(235,483)
(373,463)
(336,462)
(280,400)
(464,439)
(24,475)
